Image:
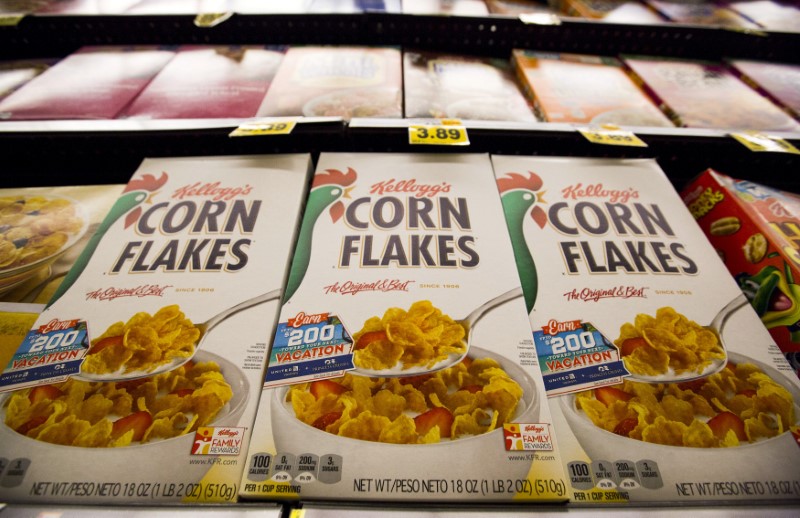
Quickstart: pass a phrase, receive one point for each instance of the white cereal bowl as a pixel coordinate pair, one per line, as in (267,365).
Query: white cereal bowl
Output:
(433,461)
(679,463)
(159,461)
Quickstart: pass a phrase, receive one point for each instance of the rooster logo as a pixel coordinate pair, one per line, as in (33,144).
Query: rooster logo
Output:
(522,197)
(137,192)
(327,191)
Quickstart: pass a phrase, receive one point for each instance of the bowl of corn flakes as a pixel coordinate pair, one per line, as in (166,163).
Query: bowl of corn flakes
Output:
(747,407)
(106,424)
(34,232)
(455,413)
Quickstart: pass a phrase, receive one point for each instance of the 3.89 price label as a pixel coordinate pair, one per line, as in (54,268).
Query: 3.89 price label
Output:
(263,128)
(445,135)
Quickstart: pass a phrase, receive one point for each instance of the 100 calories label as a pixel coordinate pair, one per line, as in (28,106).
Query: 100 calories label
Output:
(49,353)
(309,347)
(575,356)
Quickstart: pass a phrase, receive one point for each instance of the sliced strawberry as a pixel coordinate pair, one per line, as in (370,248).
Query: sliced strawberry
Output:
(188,366)
(631,344)
(721,423)
(415,381)
(322,388)
(42,392)
(139,422)
(438,416)
(183,392)
(31,424)
(472,389)
(607,395)
(109,341)
(693,385)
(324,421)
(467,361)
(626,426)
(730,365)
(367,338)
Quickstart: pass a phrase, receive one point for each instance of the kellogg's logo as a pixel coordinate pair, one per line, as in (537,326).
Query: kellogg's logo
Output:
(409,186)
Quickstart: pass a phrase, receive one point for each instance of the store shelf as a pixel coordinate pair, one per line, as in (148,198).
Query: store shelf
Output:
(39,35)
(101,152)
(85,152)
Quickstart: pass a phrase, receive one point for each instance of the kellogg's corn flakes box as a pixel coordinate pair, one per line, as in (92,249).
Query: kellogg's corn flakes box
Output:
(756,232)
(402,367)
(138,381)
(663,383)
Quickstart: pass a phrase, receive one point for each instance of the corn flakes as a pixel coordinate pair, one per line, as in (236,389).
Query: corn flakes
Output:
(738,405)
(113,414)
(653,345)
(470,398)
(143,343)
(34,228)
(419,337)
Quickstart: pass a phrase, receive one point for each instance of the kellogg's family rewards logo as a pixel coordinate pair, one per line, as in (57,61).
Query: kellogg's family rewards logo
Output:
(643,239)
(207,224)
(210,440)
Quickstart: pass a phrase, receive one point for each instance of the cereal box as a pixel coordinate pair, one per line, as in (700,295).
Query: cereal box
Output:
(139,380)
(624,11)
(756,232)
(14,74)
(584,89)
(93,83)
(701,94)
(402,367)
(664,385)
(780,82)
(337,82)
(773,15)
(43,231)
(462,87)
(209,82)
(700,13)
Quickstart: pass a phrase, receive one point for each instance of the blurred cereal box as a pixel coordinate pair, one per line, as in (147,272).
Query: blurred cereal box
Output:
(756,231)
(778,81)
(703,94)
(138,382)
(462,87)
(702,407)
(320,81)
(402,367)
(584,89)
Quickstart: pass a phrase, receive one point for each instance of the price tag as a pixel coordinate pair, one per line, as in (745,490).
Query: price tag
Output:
(611,135)
(540,19)
(758,142)
(10,20)
(207,20)
(444,135)
(256,129)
